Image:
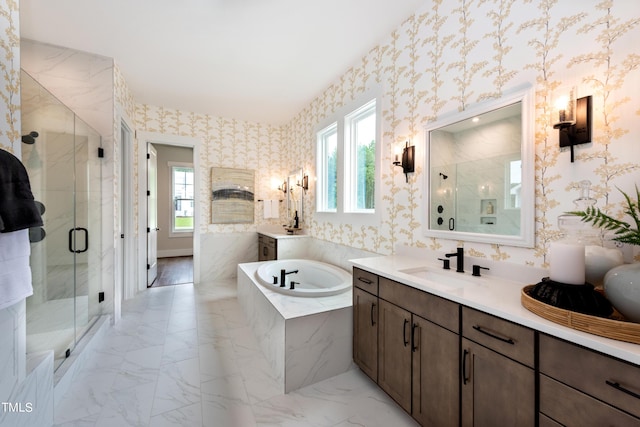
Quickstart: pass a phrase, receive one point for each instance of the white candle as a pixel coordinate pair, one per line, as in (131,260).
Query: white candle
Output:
(566,263)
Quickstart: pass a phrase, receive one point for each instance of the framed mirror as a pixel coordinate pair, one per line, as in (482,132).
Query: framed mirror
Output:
(295,194)
(480,173)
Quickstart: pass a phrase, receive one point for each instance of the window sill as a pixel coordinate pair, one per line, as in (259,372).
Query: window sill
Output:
(180,234)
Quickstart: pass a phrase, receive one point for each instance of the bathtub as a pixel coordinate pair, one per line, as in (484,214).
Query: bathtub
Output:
(313,279)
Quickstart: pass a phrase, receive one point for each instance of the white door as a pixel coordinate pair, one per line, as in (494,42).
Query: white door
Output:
(152,215)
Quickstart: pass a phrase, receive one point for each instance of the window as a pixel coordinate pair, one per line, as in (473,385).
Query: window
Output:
(346,162)
(514,188)
(328,169)
(183,198)
(360,159)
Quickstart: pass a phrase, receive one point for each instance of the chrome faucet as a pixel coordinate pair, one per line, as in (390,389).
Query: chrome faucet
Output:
(459,254)
(283,275)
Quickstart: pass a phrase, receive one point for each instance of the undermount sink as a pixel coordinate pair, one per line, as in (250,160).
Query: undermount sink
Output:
(441,279)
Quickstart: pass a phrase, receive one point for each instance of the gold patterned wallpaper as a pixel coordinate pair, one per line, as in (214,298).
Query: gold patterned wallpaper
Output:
(445,58)
(10,80)
(450,55)
(226,143)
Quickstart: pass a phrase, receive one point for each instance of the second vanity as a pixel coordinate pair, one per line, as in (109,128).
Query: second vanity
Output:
(454,349)
(272,245)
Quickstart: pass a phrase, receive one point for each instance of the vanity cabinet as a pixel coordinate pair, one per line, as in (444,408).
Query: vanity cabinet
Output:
(418,343)
(582,387)
(449,365)
(267,248)
(365,322)
(497,369)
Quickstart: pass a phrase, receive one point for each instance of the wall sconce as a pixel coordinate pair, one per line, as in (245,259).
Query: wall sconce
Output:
(305,183)
(407,163)
(572,117)
(283,187)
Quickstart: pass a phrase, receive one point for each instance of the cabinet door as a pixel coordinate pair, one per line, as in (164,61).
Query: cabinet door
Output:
(496,391)
(436,374)
(365,332)
(394,353)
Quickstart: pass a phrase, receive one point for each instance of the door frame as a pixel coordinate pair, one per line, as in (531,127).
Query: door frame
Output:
(124,262)
(179,141)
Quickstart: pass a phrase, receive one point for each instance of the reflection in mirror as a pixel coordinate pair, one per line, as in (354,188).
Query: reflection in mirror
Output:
(481,174)
(295,195)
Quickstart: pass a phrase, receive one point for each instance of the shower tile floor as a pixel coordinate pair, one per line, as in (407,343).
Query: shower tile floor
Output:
(185,356)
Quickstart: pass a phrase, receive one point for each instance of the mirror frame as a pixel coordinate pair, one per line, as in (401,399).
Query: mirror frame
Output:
(298,173)
(526,238)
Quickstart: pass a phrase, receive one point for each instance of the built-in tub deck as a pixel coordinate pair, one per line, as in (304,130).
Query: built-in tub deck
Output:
(305,340)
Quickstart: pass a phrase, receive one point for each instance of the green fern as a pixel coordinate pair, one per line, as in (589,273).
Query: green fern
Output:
(622,230)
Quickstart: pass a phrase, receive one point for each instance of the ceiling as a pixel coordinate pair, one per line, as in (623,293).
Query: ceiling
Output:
(255,60)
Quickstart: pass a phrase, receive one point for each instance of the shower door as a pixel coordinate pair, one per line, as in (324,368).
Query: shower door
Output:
(65,174)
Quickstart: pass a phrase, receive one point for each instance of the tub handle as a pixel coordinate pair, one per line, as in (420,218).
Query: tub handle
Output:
(373,307)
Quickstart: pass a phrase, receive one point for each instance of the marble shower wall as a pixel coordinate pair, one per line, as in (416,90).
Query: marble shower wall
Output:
(450,55)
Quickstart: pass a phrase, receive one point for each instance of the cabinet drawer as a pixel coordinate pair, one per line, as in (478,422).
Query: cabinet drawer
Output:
(266,240)
(610,380)
(569,407)
(435,309)
(512,340)
(365,280)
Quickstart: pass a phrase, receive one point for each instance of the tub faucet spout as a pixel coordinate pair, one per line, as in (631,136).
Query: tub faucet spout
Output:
(283,275)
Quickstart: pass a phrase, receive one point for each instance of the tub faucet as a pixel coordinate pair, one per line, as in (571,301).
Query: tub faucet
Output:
(283,275)
(459,254)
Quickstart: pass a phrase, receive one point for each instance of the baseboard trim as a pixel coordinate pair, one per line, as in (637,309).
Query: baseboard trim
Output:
(168,253)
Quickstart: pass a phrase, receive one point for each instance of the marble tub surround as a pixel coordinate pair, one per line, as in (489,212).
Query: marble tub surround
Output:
(497,292)
(305,340)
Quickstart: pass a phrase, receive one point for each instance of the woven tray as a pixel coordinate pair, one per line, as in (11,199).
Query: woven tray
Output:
(614,327)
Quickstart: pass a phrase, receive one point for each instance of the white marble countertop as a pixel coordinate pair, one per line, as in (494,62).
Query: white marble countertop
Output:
(282,235)
(492,294)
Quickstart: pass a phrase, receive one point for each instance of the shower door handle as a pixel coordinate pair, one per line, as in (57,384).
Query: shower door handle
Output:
(86,240)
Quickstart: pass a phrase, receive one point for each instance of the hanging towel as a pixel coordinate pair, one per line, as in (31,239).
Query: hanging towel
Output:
(271,209)
(18,210)
(15,273)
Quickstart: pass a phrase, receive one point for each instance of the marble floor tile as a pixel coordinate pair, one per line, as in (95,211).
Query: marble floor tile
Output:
(185,356)
(178,386)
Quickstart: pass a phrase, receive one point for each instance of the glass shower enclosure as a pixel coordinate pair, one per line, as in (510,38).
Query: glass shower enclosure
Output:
(60,153)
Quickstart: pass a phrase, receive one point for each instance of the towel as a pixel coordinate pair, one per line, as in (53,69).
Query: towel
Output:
(271,209)
(18,209)
(15,273)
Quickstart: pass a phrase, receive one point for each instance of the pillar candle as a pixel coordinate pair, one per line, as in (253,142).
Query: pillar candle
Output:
(566,263)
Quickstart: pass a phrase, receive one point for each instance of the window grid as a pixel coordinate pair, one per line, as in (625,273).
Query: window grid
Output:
(360,159)
(328,170)
(183,199)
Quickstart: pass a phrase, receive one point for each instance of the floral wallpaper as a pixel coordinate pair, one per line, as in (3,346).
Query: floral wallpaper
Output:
(10,71)
(447,57)
(226,143)
(450,55)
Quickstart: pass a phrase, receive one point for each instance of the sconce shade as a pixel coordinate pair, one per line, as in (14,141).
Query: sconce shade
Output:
(564,110)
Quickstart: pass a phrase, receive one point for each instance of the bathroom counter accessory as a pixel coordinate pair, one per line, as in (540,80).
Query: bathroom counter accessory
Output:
(614,327)
(292,230)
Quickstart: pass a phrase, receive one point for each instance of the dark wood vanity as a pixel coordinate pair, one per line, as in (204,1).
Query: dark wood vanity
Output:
(448,364)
